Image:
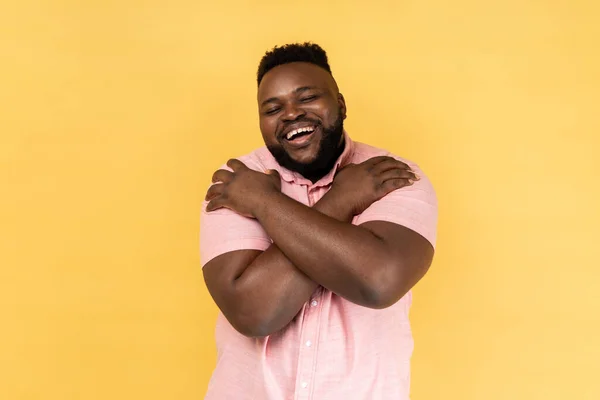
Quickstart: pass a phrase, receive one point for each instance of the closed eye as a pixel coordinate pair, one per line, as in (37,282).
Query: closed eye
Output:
(308,99)
(272,111)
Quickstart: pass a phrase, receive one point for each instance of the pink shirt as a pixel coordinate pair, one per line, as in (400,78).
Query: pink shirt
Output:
(333,349)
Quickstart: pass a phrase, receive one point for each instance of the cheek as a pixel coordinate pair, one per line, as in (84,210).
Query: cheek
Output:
(328,113)
(267,128)
(330,118)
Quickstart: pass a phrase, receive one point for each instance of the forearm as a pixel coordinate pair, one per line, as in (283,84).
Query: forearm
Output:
(346,259)
(272,290)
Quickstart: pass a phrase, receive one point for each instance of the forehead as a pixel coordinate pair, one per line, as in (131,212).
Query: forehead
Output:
(284,79)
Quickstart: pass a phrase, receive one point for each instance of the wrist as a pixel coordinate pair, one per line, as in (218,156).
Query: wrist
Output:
(260,208)
(335,206)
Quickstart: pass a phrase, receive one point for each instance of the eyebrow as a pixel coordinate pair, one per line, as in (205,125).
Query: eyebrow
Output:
(297,91)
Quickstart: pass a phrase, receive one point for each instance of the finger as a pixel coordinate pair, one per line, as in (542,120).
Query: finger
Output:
(398,173)
(236,165)
(394,184)
(376,160)
(222,175)
(273,172)
(215,204)
(214,191)
(390,164)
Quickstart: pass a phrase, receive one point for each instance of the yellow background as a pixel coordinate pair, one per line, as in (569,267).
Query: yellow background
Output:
(113,115)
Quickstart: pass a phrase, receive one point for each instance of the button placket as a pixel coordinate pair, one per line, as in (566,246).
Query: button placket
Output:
(307,351)
(308,337)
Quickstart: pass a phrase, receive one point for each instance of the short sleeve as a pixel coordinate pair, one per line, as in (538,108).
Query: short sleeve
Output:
(414,207)
(223,231)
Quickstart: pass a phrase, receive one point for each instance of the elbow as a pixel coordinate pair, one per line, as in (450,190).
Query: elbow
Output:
(253,326)
(380,298)
(384,288)
(390,283)
(252,331)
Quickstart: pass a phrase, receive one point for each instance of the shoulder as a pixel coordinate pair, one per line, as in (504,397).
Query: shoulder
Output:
(258,160)
(414,207)
(363,152)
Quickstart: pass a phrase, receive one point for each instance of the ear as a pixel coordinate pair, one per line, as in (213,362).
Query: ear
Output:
(342,105)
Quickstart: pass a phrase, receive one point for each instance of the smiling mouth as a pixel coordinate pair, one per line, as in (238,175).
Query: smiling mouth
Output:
(299,133)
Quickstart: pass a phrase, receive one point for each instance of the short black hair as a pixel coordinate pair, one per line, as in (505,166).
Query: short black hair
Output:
(289,53)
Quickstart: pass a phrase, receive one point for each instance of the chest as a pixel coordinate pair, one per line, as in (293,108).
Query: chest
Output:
(305,194)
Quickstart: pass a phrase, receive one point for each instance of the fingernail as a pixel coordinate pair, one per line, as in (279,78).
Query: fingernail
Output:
(411,181)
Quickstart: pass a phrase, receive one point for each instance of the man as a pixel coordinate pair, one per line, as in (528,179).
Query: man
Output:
(310,247)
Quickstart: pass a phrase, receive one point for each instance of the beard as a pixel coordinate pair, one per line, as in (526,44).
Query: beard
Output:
(330,149)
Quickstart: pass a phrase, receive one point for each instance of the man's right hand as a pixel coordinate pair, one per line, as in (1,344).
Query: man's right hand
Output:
(358,186)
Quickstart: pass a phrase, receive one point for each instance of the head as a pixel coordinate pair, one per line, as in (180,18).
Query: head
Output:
(301,110)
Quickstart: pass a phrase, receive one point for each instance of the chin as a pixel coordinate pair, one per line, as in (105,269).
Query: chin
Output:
(306,160)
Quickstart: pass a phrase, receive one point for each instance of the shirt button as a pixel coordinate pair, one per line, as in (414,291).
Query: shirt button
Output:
(304,385)
(314,303)
(308,343)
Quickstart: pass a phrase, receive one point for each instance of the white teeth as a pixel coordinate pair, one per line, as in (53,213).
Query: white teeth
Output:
(299,130)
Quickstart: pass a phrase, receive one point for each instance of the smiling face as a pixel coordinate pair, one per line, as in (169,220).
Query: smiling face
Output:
(301,118)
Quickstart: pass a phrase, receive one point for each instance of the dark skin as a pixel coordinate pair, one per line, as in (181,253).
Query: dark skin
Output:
(372,265)
(295,92)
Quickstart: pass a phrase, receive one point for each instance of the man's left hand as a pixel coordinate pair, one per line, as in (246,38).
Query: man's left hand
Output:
(242,190)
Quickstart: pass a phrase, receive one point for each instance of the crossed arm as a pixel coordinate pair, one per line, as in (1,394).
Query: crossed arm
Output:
(372,265)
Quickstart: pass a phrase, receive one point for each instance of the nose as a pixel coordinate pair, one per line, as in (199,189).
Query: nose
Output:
(291,112)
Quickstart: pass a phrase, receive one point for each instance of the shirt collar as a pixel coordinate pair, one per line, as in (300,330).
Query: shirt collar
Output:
(294,177)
